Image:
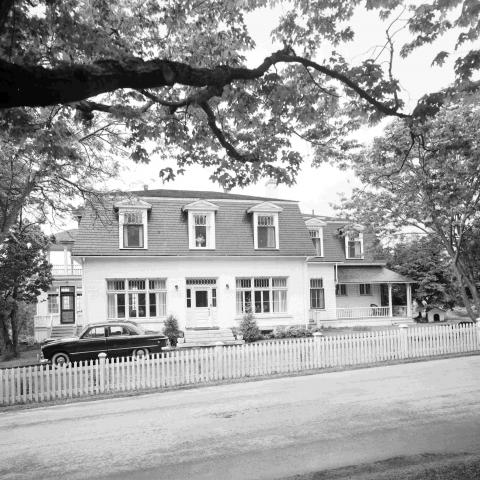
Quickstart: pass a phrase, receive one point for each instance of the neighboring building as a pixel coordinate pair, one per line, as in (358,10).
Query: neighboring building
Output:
(207,257)
(59,311)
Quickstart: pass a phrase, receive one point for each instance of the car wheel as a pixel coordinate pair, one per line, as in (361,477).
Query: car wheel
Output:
(140,352)
(60,358)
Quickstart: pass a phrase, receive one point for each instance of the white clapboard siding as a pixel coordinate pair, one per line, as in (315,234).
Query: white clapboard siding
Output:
(42,383)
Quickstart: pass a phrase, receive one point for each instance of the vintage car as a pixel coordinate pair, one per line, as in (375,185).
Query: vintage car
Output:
(116,339)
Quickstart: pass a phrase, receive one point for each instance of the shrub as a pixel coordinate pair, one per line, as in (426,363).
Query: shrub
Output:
(249,328)
(171,330)
(292,332)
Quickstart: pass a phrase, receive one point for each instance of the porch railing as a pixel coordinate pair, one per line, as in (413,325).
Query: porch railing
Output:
(362,312)
(66,270)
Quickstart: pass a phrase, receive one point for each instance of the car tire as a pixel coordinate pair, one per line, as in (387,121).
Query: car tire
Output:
(60,358)
(140,352)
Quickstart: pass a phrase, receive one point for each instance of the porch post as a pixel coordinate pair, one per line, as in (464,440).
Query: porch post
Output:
(409,300)
(65,262)
(390,308)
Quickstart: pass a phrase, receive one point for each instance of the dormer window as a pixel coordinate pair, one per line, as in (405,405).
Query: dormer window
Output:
(133,230)
(316,234)
(354,245)
(265,225)
(266,231)
(201,225)
(315,229)
(133,223)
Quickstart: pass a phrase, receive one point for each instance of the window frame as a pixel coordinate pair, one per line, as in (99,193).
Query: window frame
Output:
(128,289)
(256,216)
(321,289)
(319,232)
(341,290)
(123,225)
(209,229)
(56,310)
(367,289)
(279,291)
(359,239)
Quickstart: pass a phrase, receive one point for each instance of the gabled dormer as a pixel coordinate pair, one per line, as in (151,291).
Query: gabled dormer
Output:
(353,234)
(265,225)
(315,228)
(201,224)
(132,223)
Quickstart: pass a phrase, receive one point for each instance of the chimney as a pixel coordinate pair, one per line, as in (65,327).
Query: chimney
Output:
(145,187)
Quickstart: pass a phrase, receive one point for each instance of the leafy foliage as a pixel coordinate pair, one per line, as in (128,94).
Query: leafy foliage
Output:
(24,274)
(176,79)
(249,328)
(425,261)
(434,186)
(172,330)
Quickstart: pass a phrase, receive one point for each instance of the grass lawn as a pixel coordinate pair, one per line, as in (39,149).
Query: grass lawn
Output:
(27,356)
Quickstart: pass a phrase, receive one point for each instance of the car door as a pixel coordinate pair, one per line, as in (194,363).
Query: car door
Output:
(120,341)
(90,344)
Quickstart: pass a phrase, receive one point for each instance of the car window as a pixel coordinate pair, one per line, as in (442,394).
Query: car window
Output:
(119,330)
(95,332)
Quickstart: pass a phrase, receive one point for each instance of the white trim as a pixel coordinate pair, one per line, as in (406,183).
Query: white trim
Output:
(200,206)
(265,207)
(210,229)
(121,219)
(362,253)
(255,230)
(315,222)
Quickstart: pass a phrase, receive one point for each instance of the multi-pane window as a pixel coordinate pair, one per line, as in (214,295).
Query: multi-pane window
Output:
(200,230)
(354,245)
(262,294)
(266,236)
(136,298)
(133,230)
(340,289)
(316,234)
(317,294)
(365,289)
(52,303)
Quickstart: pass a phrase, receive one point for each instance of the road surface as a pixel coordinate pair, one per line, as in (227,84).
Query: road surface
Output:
(267,429)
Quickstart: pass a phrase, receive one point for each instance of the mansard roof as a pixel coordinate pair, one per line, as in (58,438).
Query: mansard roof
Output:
(168,227)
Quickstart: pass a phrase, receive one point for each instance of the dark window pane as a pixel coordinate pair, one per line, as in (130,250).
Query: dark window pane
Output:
(214,297)
(266,237)
(121,305)
(133,235)
(258,302)
(266,301)
(189,298)
(142,306)
(153,305)
(201,298)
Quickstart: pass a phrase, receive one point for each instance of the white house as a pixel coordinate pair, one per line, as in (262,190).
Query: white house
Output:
(206,257)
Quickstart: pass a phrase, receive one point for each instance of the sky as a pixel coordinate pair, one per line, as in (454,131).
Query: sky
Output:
(317,189)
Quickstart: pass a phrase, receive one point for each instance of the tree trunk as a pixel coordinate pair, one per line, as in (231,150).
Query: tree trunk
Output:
(7,339)
(14,326)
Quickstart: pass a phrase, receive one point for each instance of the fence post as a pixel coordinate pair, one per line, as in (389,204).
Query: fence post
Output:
(101,371)
(478,331)
(317,339)
(218,375)
(403,339)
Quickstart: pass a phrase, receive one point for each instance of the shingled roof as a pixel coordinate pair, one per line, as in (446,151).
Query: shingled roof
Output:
(61,238)
(168,227)
(334,244)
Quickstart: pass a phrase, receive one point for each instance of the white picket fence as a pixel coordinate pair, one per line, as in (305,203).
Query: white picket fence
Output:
(194,366)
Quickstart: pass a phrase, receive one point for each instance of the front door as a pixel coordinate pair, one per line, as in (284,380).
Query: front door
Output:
(67,305)
(201,305)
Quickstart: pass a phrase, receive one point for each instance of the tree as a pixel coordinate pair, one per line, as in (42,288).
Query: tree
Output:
(24,273)
(249,328)
(433,187)
(421,259)
(177,78)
